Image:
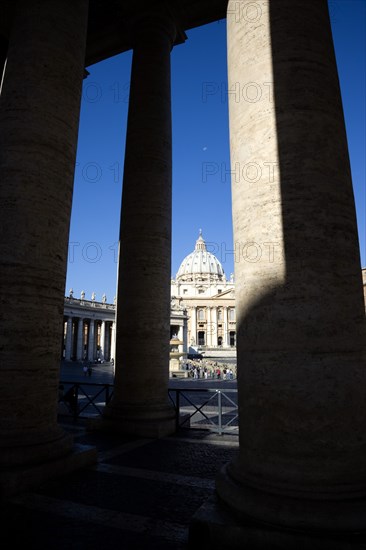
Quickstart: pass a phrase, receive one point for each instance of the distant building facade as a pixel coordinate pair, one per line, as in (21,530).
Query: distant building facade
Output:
(202,315)
(201,287)
(88,329)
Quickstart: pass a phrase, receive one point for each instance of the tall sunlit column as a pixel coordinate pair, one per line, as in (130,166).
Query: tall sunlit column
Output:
(226,327)
(113,341)
(39,118)
(140,404)
(300,313)
(193,314)
(209,327)
(102,341)
(214,325)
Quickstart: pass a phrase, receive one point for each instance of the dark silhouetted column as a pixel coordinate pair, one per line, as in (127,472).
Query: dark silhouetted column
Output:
(140,403)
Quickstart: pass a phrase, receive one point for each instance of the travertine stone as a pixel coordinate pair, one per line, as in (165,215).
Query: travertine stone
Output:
(140,402)
(39,117)
(300,312)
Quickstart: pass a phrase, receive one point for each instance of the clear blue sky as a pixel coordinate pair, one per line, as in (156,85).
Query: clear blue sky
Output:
(201,187)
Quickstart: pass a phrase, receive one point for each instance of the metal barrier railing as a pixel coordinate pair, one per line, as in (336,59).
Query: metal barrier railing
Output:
(215,409)
(80,396)
(202,408)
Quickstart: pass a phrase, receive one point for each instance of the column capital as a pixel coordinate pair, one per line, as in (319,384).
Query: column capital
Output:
(154,27)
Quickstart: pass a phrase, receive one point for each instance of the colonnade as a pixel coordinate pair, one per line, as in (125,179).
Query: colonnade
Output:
(300,318)
(86,338)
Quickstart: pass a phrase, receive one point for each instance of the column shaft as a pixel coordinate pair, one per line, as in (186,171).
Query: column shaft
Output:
(193,338)
(214,326)
(91,340)
(102,341)
(39,116)
(80,339)
(226,328)
(143,301)
(209,327)
(113,342)
(300,314)
(68,344)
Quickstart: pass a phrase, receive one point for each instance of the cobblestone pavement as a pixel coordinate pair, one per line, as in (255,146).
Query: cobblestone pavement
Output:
(141,494)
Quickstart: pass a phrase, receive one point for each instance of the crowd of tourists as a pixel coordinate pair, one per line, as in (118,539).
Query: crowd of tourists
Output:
(204,368)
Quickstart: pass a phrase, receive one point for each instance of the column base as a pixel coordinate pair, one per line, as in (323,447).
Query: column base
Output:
(142,422)
(24,478)
(316,509)
(215,526)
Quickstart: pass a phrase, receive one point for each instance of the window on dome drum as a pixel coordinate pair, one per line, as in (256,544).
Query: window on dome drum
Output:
(201,338)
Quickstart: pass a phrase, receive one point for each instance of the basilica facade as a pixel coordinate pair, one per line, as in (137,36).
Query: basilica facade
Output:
(202,289)
(202,314)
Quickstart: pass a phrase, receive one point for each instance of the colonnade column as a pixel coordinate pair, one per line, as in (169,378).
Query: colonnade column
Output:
(193,337)
(91,340)
(300,315)
(208,327)
(107,350)
(140,404)
(226,327)
(80,340)
(214,326)
(68,342)
(113,342)
(102,340)
(39,117)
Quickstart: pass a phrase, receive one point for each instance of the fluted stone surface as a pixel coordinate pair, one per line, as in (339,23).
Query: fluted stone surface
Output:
(39,115)
(300,311)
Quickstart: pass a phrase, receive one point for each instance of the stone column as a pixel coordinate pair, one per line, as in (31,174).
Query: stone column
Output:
(208,327)
(214,326)
(226,327)
(140,404)
(39,117)
(193,325)
(91,340)
(80,340)
(68,343)
(107,350)
(185,346)
(300,312)
(113,342)
(102,341)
